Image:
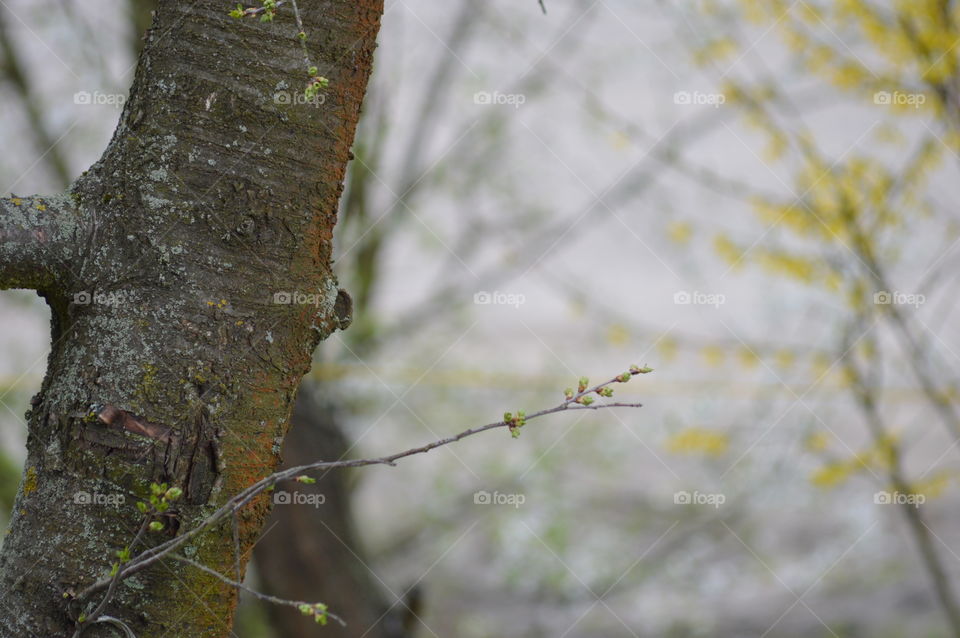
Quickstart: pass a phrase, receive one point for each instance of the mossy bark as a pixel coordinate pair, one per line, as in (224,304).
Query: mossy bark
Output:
(167,265)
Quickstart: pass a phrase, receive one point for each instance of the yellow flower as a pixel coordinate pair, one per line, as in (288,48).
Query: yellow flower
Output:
(817,442)
(668,348)
(679,232)
(617,335)
(698,440)
(713,356)
(832,474)
(747,357)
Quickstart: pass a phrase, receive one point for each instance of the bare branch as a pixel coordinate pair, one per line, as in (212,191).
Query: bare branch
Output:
(39,237)
(265,597)
(581,399)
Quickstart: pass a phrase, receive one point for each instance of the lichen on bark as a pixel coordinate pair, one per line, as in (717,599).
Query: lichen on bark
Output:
(161,264)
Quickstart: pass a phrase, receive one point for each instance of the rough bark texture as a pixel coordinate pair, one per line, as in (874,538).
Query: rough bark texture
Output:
(171,359)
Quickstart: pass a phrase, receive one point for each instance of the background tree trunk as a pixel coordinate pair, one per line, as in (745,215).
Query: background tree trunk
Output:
(170,360)
(314,553)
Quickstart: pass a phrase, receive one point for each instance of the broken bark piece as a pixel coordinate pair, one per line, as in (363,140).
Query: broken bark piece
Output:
(115,417)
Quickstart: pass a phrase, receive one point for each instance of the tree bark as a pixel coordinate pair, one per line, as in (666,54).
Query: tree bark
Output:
(168,266)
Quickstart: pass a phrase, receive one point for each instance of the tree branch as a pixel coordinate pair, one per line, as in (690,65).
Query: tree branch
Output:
(39,237)
(299,604)
(581,399)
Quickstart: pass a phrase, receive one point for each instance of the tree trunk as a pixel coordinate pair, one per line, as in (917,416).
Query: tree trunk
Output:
(170,267)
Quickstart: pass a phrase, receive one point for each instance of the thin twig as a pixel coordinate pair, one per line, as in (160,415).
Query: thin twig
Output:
(303,41)
(236,546)
(94,616)
(255,11)
(265,597)
(575,401)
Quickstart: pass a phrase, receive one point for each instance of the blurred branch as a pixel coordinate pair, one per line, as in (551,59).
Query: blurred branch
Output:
(141,16)
(866,399)
(15,73)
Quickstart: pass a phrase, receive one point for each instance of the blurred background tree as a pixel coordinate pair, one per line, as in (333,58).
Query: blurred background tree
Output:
(752,197)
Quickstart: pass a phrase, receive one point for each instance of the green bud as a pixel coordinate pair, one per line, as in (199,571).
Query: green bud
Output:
(173,494)
(623,378)
(156,526)
(507,417)
(586,400)
(568,393)
(303,478)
